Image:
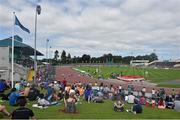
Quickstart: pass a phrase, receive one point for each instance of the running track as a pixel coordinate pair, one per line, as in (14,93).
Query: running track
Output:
(73,76)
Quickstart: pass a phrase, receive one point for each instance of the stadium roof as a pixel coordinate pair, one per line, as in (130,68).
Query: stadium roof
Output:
(18,43)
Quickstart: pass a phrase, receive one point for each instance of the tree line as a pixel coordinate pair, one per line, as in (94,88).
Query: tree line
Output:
(65,58)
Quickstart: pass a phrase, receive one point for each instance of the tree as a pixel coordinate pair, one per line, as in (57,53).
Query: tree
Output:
(55,59)
(63,57)
(86,58)
(68,59)
(56,55)
(153,57)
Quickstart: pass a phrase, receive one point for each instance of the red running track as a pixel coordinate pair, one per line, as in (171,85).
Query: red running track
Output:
(73,76)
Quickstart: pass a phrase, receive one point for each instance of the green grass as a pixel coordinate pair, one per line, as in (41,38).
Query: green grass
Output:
(154,75)
(100,111)
(169,85)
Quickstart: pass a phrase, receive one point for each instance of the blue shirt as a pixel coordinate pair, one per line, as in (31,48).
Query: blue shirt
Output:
(88,93)
(49,91)
(2,86)
(13,98)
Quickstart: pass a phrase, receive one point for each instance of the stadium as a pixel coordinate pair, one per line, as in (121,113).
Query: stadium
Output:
(89,60)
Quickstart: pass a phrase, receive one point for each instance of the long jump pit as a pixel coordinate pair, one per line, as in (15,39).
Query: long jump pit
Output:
(131,78)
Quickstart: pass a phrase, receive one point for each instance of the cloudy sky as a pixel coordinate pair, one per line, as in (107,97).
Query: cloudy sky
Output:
(96,27)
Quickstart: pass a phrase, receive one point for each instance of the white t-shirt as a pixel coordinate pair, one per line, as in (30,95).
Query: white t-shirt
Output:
(153,91)
(120,87)
(144,89)
(72,91)
(131,98)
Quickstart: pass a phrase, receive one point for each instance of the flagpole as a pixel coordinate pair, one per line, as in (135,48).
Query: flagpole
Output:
(12,52)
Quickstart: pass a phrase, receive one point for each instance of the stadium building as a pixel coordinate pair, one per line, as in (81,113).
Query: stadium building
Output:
(139,62)
(165,64)
(22,58)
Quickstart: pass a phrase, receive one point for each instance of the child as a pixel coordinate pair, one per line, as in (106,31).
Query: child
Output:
(22,112)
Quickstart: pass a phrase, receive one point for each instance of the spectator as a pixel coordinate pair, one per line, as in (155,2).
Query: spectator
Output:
(3,110)
(70,106)
(161,104)
(131,98)
(153,92)
(130,89)
(33,93)
(118,106)
(2,86)
(143,91)
(178,96)
(153,103)
(26,90)
(122,94)
(22,112)
(13,97)
(112,90)
(137,108)
(173,94)
(81,91)
(142,100)
(18,86)
(56,86)
(120,88)
(169,102)
(43,102)
(88,93)
(49,92)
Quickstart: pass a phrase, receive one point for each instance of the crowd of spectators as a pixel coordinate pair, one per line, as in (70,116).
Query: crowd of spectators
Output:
(47,94)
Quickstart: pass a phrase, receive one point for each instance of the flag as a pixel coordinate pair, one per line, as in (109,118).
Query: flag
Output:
(17,22)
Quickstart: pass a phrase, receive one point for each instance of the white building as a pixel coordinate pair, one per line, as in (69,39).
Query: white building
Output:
(139,62)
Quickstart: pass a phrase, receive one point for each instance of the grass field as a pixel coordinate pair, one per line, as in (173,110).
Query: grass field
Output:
(101,110)
(154,75)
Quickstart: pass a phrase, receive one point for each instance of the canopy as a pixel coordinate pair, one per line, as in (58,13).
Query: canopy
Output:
(18,43)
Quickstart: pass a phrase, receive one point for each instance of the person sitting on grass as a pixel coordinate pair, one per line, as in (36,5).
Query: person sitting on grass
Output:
(153,103)
(169,102)
(142,100)
(118,106)
(22,112)
(131,98)
(26,90)
(13,97)
(136,108)
(43,102)
(33,93)
(70,106)
(161,104)
(4,111)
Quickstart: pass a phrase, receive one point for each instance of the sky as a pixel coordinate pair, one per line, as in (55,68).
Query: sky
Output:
(97,27)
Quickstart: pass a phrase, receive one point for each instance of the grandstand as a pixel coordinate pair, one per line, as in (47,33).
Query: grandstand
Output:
(139,62)
(177,65)
(162,64)
(22,58)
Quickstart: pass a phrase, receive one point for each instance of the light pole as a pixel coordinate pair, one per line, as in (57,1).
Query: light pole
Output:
(38,12)
(49,54)
(47,49)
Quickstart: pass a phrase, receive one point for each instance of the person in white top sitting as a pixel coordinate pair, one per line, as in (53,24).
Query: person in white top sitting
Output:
(153,93)
(131,98)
